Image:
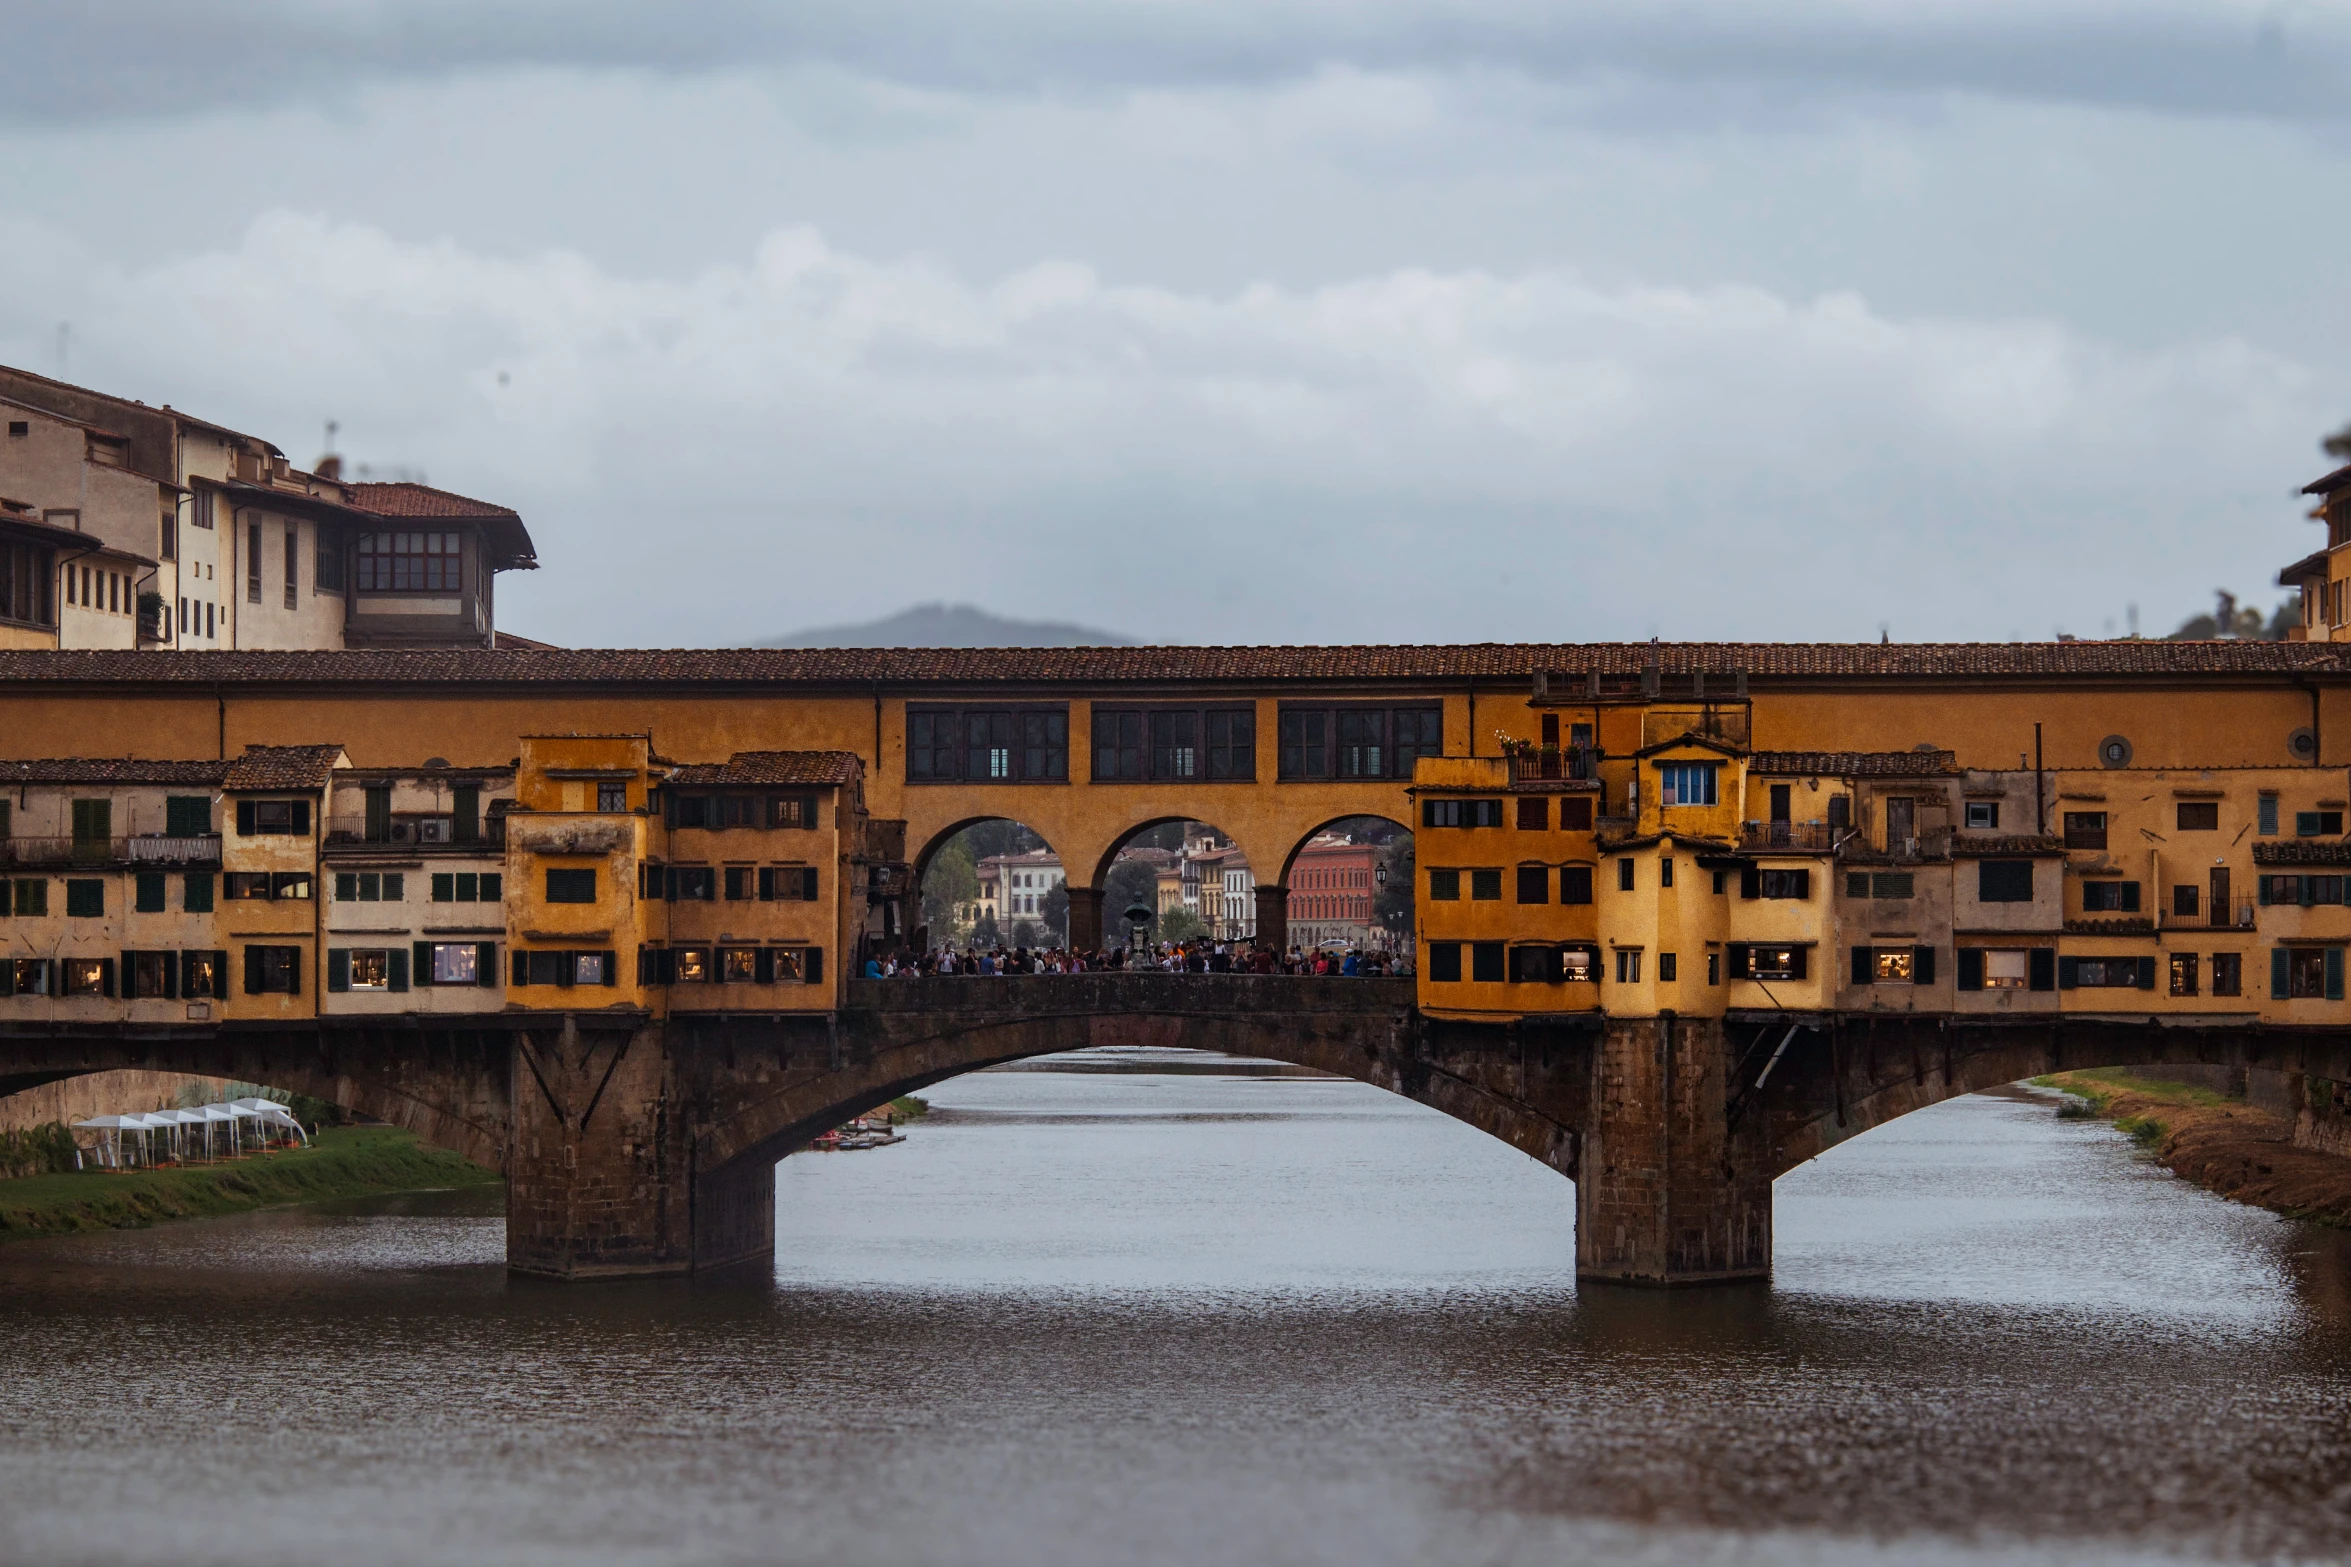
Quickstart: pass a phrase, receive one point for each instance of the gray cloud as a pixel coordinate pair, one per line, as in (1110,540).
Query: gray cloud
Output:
(78,60)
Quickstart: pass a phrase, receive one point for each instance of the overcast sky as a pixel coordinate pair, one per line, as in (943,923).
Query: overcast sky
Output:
(1238,320)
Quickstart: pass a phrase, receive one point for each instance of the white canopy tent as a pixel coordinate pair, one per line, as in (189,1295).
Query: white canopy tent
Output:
(229,1120)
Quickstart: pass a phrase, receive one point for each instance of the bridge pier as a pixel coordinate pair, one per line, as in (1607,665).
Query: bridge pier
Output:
(1666,1192)
(1273,917)
(598,1172)
(1085,917)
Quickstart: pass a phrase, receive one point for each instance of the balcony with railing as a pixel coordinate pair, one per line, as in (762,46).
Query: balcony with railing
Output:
(1789,837)
(360,834)
(138,849)
(1576,764)
(1932,843)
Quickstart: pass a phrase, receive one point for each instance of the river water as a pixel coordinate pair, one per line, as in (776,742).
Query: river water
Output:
(1161,1309)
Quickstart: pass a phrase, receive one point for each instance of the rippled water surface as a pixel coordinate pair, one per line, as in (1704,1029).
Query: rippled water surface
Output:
(1173,1310)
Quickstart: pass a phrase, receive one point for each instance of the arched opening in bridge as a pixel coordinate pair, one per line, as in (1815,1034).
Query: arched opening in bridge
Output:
(1194,880)
(990,883)
(1349,885)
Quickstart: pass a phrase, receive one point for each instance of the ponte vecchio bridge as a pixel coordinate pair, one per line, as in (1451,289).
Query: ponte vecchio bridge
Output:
(638,1128)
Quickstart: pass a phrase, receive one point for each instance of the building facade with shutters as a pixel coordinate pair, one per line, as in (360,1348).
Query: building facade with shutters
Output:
(288,884)
(129,526)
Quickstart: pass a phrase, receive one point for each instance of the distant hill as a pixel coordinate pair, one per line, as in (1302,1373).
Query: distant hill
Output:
(952,625)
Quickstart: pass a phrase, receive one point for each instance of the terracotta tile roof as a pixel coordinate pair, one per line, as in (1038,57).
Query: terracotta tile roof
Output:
(2304,851)
(1976,844)
(283,767)
(2331,483)
(1855,764)
(421,500)
(2311,565)
(772,767)
(1227,666)
(105,769)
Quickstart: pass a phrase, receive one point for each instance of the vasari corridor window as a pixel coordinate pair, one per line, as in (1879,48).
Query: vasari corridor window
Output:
(411,562)
(1174,744)
(987,745)
(1357,742)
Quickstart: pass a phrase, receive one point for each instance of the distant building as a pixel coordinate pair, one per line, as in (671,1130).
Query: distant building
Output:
(129,526)
(1013,887)
(1332,892)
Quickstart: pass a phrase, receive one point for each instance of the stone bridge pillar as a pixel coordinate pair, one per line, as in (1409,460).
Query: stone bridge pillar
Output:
(1273,917)
(1085,916)
(1665,1193)
(599,1172)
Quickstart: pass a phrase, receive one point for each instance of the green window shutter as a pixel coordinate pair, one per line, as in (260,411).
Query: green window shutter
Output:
(2278,962)
(301,818)
(1738,957)
(611,969)
(2146,973)
(2069,970)
(150,889)
(2041,968)
(2334,973)
(1863,969)
(85,898)
(522,968)
(244,818)
(338,969)
(764,966)
(466,803)
(1971,968)
(486,964)
(106,976)
(1922,965)
(444,887)
(399,968)
(252,971)
(171,976)
(422,973)
(196,892)
(815,965)
(346,886)
(187,816)
(493,887)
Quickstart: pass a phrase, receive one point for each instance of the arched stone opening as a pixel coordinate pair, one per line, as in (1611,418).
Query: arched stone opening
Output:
(1349,883)
(992,881)
(1196,881)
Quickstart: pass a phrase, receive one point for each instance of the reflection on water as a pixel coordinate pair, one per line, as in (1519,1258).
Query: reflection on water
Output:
(1164,1314)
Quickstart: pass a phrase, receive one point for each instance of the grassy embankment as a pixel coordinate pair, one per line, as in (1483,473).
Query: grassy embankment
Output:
(349,1161)
(2224,1145)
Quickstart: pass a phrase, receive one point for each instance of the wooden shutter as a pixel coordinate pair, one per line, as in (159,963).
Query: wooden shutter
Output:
(106,972)
(764,966)
(2334,973)
(767,884)
(486,965)
(301,818)
(1864,969)
(812,966)
(171,976)
(2069,972)
(611,969)
(2146,973)
(244,818)
(1801,965)
(220,976)
(522,968)
(2278,964)
(2041,968)
(1971,968)
(1740,959)
(252,971)
(808,810)
(338,969)
(1922,965)
(668,967)
(1750,882)
(293,971)
(421,964)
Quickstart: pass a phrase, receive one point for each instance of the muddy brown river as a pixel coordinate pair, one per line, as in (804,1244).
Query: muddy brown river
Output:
(1176,1309)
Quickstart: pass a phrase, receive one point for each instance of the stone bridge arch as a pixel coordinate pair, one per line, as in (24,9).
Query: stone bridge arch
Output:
(899,1036)
(449,1086)
(1842,1078)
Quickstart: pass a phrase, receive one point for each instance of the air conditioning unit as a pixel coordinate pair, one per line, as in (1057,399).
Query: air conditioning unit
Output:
(437,830)
(403,832)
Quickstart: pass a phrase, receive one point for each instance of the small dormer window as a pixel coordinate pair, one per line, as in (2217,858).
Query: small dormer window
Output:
(1686,783)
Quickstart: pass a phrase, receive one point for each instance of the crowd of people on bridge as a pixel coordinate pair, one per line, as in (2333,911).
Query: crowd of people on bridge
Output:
(1189,957)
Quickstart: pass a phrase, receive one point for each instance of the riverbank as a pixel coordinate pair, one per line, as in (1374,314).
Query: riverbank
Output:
(2222,1144)
(349,1161)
